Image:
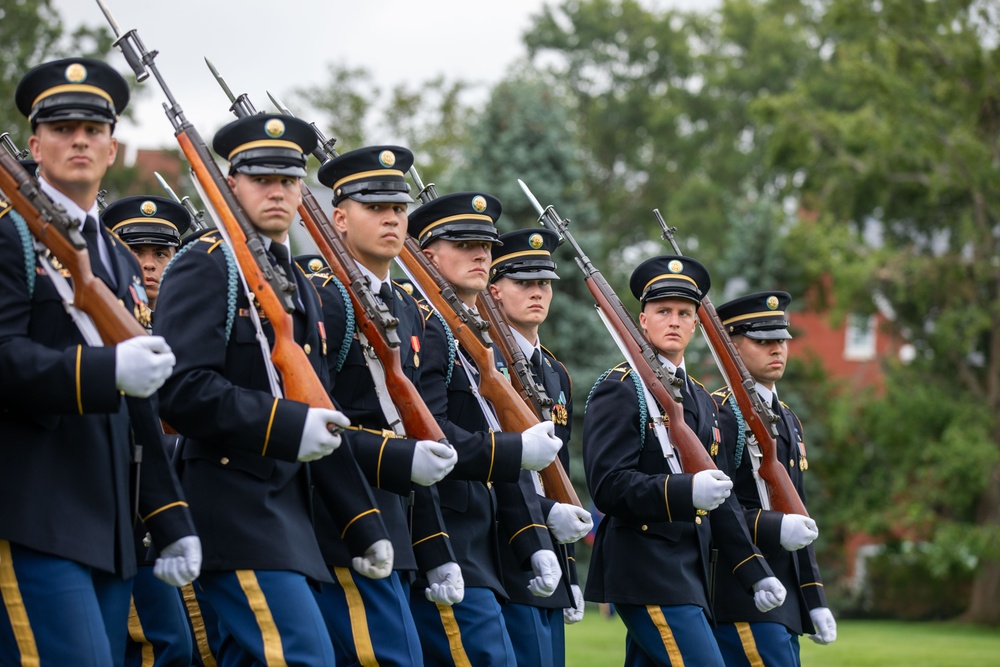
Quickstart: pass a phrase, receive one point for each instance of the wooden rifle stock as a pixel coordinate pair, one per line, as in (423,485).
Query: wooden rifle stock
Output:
(512,412)
(783,495)
(56,230)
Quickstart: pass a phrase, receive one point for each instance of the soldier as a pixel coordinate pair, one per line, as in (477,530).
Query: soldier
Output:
(159,628)
(151,227)
(456,232)
(651,554)
(66,554)
(242,458)
(370,619)
(521,278)
(758,326)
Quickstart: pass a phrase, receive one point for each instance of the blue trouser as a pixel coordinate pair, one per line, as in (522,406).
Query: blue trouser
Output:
(267,617)
(750,644)
(59,612)
(471,632)
(369,620)
(662,636)
(204,624)
(538,635)
(158,630)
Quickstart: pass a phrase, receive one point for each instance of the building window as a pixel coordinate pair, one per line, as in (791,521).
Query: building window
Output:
(859,338)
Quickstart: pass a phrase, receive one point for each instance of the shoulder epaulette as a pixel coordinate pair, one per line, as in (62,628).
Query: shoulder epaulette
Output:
(566,370)
(429,312)
(626,371)
(214,241)
(722,393)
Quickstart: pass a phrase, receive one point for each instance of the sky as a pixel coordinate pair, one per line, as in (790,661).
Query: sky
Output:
(277,46)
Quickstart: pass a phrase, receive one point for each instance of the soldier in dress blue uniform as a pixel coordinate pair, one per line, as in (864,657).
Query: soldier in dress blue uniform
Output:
(243,458)
(67,553)
(758,326)
(159,628)
(651,554)
(370,619)
(456,232)
(152,228)
(521,278)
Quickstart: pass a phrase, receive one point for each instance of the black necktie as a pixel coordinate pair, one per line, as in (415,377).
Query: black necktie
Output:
(281,258)
(682,376)
(91,234)
(385,293)
(536,365)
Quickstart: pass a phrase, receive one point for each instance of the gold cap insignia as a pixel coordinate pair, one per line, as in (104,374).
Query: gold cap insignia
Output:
(479,203)
(274,128)
(387,158)
(148,208)
(76,73)
(675,266)
(315,264)
(535,241)
(772,302)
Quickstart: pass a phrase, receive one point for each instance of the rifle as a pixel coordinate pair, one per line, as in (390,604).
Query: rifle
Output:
(272,290)
(471,332)
(372,317)
(693,455)
(198,223)
(50,224)
(11,147)
(759,417)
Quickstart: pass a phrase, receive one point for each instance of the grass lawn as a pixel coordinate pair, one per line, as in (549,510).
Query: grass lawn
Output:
(598,642)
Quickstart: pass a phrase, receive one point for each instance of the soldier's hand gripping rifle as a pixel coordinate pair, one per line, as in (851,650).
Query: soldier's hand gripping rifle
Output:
(693,455)
(758,415)
(471,331)
(273,291)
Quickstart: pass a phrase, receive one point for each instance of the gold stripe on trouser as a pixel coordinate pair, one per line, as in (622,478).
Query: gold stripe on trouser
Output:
(454,634)
(197,625)
(274,654)
(749,644)
(667,635)
(359,619)
(16,612)
(136,634)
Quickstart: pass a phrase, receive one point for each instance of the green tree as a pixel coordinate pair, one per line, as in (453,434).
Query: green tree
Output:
(32,32)
(894,141)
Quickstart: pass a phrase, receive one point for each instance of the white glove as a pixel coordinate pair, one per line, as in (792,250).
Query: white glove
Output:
(446,584)
(545,565)
(431,462)
(377,561)
(539,446)
(142,365)
(709,489)
(180,562)
(797,531)
(826,626)
(768,593)
(569,523)
(574,614)
(317,440)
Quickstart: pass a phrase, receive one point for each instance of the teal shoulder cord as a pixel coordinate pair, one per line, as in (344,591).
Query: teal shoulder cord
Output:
(345,346)
(643,409)
(741,428)
(29,250)
(452,348)
(232,282)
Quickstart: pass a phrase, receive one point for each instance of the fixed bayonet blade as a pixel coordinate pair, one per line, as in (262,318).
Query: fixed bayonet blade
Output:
(166,186)
(531,197)
(110,18)
(222,82)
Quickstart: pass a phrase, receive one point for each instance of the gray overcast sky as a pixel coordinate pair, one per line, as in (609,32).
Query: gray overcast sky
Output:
(279,45)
